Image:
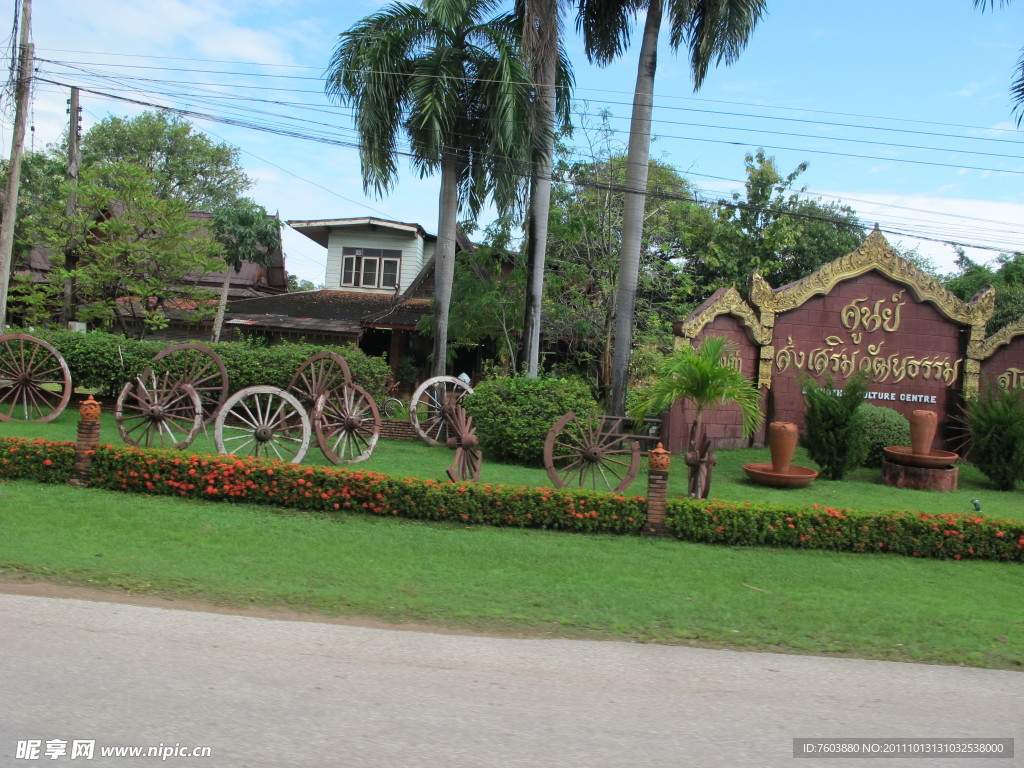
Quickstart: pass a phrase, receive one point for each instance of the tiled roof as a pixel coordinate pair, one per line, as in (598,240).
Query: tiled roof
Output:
(338,309)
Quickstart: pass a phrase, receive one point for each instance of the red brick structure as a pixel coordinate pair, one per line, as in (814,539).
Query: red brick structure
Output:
(870,310)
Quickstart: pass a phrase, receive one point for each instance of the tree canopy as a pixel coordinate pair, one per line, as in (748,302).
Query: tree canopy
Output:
(773,228)
(448,76)
(183,164)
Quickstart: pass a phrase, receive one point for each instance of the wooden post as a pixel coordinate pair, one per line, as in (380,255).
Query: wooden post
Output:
(25,54)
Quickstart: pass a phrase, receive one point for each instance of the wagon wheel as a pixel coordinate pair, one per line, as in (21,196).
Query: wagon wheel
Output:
(200,366)
(468,459)
(347,424)
(589,451)
(35,382)
(264,422)
(326,372)
(432,406)
(158,412)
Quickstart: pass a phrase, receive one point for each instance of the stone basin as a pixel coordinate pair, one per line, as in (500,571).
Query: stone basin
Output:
(794,477)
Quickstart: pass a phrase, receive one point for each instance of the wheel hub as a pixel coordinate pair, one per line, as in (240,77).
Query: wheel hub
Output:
(263,434)
(155,412)
(592,453)
(353,422)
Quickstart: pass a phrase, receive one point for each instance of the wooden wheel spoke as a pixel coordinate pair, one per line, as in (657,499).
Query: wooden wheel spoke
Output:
(430,403)
(200,367)
(37,379)
(590,452)
(347,424)
(266,421)
(155,409)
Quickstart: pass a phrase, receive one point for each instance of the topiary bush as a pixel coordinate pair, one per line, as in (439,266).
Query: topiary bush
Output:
(834,435)
(512,415)
(882,427)
(995,421)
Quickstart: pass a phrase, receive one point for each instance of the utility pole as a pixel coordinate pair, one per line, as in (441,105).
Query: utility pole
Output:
(74,162)
(21,97)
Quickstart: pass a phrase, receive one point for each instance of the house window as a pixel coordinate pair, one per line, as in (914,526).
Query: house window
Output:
(370,267)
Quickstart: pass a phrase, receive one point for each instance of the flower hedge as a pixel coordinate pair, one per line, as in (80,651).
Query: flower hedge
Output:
(916,534)
(39,460)
(332,490)
(324,489)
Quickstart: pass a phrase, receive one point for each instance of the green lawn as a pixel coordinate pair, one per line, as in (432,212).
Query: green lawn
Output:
(861,489)
(519,581)
(533,582)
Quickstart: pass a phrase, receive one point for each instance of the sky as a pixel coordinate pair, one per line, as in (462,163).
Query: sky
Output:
(900,108)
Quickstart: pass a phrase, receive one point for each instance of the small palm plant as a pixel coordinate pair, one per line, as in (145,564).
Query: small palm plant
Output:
(707,378)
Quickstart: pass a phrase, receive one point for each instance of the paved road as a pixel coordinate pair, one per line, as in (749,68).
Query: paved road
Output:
(280,694)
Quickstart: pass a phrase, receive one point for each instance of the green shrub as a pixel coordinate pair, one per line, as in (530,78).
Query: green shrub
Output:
(39,460)
(914,534)
(513,415)
(995,420)
(883,427)
(834,435)
(106,361)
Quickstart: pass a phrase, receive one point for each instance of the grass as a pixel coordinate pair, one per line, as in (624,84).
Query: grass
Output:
(534,582)
(861,489)
(519,582)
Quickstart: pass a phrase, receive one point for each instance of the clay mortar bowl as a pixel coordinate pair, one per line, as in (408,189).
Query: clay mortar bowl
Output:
(903,454)
(794,477)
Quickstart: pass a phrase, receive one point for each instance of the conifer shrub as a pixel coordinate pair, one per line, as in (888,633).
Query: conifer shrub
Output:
(995,421)
(834,435)
(883,427)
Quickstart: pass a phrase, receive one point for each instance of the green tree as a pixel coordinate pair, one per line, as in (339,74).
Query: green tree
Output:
(451,81)
(296,284)
(710,31)
(183,164)
(42,174)
(584,244)
(1017,84)
(488,297)
(707,377)
(774,229)
(135,248)
(1006,275)
(245,232)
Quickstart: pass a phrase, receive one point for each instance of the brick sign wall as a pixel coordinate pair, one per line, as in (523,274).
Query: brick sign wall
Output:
(870,310)
(871,323)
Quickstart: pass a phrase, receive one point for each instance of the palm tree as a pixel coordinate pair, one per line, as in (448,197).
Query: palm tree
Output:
(244,232)
(710,29)
(452,82)
(552,76)
(707,378)
(1017,86)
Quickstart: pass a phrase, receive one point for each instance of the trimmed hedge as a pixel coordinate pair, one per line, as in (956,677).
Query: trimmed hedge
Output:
(325,489)
(329,490)
(882,427)
(513,414)
(915,534)
(106,361)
